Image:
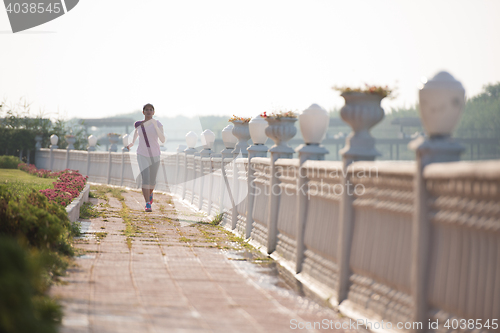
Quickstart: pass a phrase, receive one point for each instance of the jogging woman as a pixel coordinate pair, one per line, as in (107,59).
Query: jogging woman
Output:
(149,131)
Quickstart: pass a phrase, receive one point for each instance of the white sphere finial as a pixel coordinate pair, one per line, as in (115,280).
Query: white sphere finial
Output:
(442,100)
(191,139)
(54,139)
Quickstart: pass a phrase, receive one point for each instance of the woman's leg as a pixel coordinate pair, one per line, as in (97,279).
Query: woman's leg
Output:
(144,164)
(146,192)
(153,171)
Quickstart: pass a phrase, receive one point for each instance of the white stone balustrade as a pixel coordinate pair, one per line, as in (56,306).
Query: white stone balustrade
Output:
(398,241)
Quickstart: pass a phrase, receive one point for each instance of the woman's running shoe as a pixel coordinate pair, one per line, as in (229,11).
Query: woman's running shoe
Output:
(151,199)
(148,207)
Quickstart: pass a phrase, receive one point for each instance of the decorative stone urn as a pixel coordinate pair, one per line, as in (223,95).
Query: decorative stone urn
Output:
(38,140)
(442,100)
(281,130)
(70,139)
(113,139)
(242,133)
(361,111)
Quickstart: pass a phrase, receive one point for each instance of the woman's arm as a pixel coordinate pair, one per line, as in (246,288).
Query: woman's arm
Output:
(136,134)
(159,131)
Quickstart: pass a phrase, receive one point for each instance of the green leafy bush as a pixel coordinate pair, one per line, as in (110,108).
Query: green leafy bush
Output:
(24,307)
(45,225)
(8,162)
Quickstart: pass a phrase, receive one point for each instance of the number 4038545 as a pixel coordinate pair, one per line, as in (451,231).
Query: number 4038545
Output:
(471,324)
(33,8)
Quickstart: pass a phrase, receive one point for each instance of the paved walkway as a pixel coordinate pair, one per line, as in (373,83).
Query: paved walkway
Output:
(166,272)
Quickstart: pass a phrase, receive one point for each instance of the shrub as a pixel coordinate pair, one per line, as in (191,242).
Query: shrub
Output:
(23,306)
(45,225)
(8,162)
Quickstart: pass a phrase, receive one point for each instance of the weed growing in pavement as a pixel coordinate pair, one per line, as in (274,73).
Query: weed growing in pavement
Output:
(217,219)
(130,228)
(100,192)
(100,235)
(87,211)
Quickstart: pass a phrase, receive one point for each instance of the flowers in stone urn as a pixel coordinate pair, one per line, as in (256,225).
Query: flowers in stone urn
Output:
(236,118)
(383,91)
(279,114)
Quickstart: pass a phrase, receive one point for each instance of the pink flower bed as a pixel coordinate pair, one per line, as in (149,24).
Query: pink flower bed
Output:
(67,187)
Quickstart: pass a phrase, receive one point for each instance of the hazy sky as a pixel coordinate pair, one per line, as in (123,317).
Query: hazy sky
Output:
(243,57)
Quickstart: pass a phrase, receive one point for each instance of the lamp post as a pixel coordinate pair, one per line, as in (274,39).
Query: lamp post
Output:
(313,123)
(442,100)
(207,140)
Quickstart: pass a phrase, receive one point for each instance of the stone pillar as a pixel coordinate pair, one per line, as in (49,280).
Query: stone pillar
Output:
(442,100)
(280,131)
(38,140)
(53,145)
(257,127)
(362,111)
(242,133)
(109,167)
(191,139)
(313,123)
(258,150)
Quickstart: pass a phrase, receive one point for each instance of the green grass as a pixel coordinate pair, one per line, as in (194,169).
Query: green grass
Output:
(87,211)
(20,182)
(218,219)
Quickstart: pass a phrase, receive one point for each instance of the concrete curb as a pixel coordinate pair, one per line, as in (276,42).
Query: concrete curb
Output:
(73,209)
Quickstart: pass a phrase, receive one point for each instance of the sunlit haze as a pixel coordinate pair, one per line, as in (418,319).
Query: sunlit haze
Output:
(243,57)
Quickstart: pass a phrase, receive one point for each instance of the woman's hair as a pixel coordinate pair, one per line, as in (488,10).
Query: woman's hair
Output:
(149,104)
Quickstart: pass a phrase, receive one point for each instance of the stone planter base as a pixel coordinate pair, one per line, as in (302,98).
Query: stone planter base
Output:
(73,209)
